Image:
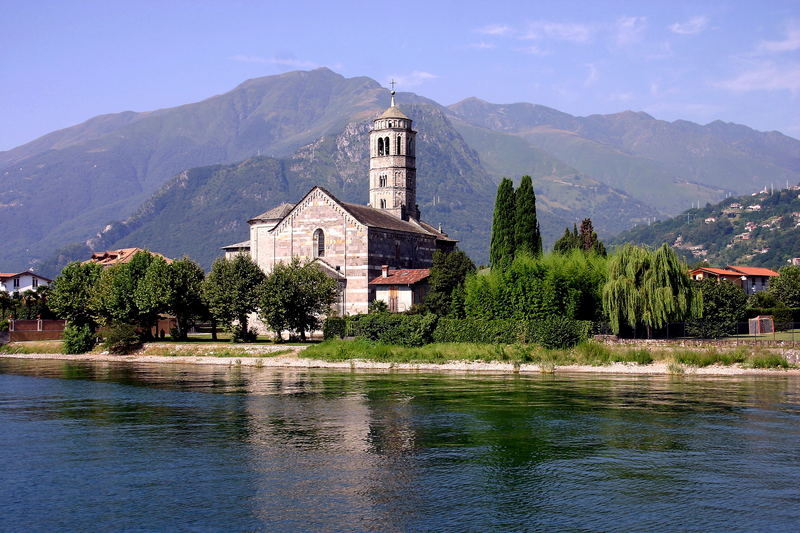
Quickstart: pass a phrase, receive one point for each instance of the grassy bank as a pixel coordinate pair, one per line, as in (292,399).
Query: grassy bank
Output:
(588,353)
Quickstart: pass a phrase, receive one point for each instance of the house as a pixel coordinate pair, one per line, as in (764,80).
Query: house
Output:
(232,250)
(720,274)
(754,279)
(351,242)
(123,255)
(401,288)
(19,282)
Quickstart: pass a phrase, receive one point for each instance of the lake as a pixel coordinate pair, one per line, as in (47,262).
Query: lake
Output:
(123,446)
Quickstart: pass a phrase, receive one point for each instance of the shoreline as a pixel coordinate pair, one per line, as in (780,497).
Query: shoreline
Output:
(292,361)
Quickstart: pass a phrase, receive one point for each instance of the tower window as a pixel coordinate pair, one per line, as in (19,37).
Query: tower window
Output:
(319,243)
(398,145)
(382,181)
(386,146)
(383,203)
(380,146)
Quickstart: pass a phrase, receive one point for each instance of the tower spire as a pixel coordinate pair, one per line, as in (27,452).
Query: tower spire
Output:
(392,83)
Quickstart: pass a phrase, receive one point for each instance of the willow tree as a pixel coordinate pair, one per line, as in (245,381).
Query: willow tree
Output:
(503,245)
(648,288)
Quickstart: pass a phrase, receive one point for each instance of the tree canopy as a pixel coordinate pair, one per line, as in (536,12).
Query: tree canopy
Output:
(448,272)
(72,291)
(503,243)
(724,304)
(231,291)
(527,238)
(786,287)
(648,288)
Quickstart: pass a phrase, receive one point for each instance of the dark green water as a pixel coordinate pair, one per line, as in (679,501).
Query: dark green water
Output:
(110,447)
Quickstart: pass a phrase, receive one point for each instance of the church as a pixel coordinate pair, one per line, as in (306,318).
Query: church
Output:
(353,243)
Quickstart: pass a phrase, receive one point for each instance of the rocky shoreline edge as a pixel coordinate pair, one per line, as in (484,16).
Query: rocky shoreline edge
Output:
(293,361)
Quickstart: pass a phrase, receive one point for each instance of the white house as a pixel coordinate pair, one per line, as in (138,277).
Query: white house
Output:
(21,282)
(401,288)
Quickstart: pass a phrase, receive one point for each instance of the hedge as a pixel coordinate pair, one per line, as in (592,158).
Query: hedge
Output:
(389,328)
(505,331)
(779,314)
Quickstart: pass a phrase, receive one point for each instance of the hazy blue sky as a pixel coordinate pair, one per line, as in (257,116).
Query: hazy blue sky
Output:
(64,62)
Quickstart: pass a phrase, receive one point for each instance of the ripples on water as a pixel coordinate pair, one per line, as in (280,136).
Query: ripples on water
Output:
(109,446)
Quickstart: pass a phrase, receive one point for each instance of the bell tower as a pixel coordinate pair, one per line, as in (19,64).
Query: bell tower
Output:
(392,164)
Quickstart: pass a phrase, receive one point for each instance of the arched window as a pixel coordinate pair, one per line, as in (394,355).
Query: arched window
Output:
(383,181)
(319,243)
(410,150)
(386,146)
(383,203)
(380,146)
(397,146)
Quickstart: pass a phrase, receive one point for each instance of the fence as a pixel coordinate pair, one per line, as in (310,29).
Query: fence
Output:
(35,330)
(785,334)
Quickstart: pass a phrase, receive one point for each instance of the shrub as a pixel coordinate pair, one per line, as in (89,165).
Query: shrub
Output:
(377,306)
(560,332)
(120,338)
(334,327)
(480,331)
(4,324)
(766,360)
(239,334)
(78,339)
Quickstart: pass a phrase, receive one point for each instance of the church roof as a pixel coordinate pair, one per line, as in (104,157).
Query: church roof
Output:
(393,112)
(402,276)
(238,246)
(276,213)
(378,218)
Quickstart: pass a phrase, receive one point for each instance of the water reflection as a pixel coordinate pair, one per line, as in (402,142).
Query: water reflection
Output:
(247,448)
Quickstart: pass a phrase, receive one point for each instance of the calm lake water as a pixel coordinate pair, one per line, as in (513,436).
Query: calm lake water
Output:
(115,446)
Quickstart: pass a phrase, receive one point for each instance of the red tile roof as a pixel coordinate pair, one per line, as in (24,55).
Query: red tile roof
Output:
(718,271)
(123,255)
(754,271)
(405,276)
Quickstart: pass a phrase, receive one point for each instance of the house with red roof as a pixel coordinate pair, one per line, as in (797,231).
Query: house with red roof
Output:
(401,288)
(754,279)
(720,274)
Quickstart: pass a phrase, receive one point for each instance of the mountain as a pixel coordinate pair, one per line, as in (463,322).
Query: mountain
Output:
(117,178)
(667,165)
(761,229)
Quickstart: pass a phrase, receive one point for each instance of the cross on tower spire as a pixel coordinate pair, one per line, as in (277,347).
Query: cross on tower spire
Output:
(392,83)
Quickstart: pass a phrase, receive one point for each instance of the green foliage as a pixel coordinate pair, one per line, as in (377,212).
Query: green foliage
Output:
(536,288)
(649,288)
(393,328)
(446,282)
(4,325)
(114,297)
(334,327)
(231,290)
(480,331)
(185,295)
(153,292)
(293,297)
(569,241)
(78,339)
(786,287)
(762,299)
(71,293)
(120,338)
(588,238)
(723,306)
(527,238)
(503,243)
(559,332)
(377,306)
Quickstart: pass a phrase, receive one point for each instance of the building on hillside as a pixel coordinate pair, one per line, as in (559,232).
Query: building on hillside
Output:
(754,279)
(352,242)
(124,255)
(795,261)
(19,282)
(401,288)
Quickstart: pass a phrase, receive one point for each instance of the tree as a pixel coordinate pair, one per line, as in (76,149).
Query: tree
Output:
(6,304)
(231,291)
(649,288)
(724,305)
(588,238)
(294,296)
(448,272)
(503,244)
(117,295)
(786,287)
(71,293)
(185,300)
(153,293)
(568,242)
(527,238)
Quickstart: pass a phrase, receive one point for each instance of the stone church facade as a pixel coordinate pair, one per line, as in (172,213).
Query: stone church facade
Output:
(352,242)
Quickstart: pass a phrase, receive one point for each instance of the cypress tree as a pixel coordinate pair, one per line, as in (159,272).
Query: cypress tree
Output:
(588,240)
(526,226)
(501,251)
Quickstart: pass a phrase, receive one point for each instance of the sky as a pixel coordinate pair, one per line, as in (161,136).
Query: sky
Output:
(64,62)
